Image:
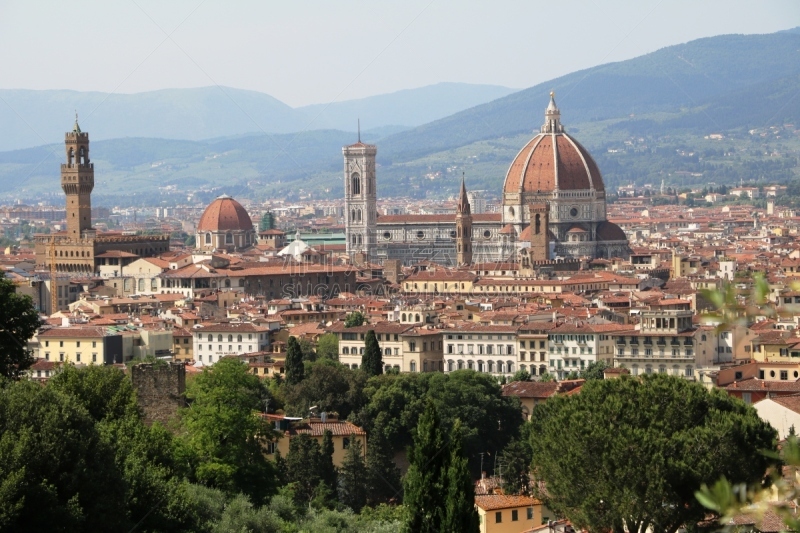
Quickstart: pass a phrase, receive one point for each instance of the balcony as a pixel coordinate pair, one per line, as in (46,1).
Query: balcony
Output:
(648,341)
(621,341)
(661,341)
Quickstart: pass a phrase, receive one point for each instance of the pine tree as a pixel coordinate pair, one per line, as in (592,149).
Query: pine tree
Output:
(460,514)
(372,361)
(353,477)
(383,476)
(425,494)
(302,466)
(294,362)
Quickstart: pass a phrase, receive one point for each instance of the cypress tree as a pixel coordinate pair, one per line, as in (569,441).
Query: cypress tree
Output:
(294,362)
(353,477)
(425,493)
(383,476)
(460,513)
(327,470)
(372,360)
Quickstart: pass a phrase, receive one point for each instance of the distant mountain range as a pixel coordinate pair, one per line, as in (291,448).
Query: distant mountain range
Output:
(728,84)
(32,118)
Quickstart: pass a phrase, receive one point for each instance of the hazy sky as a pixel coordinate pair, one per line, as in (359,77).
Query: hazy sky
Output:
(304,52)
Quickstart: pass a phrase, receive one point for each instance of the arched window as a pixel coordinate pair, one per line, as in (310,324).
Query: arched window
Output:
(542,370)
(490,366)
(500,367)
(230,338)
(403,317)
(635,370)
(509,366)
(353,215)
(361,351)
(210,337)
(648,369)
(227,282)
(470,365)
(359,215)
(238,338)
(450,366)
(219,338)
(355,180)
(228,238)
(480,366)
(355,366)
(141,284)
(416,317)
(208,238)
(460,364)
(153,284)
(71,156)
(412,366)
(84,159)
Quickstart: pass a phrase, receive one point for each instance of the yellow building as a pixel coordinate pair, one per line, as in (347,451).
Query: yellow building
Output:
(499,513)
(404,347)
(91,345)
(343,434)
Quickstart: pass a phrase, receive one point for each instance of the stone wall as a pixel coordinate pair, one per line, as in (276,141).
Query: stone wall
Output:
(159,389)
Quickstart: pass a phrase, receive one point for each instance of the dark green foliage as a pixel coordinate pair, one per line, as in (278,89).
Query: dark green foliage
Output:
(547,377)
(460,513)
(307,349)
(516,461)
(521,375)
(354,319)
(303,466)
(383,476)
(372,360)
(594,370)
(489,420)
(57,472)
(330,386)
(328,346)
(19,321)
(424,483)
(652,442)
(326,467)
(225,434)
(104,391)
(294,362)
(353,477)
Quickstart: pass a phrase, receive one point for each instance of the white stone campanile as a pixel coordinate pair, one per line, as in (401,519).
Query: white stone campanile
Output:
(360,192)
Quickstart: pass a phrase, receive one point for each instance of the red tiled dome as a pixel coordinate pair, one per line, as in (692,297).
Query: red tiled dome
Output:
(608,231)
(225,214)
(553,161)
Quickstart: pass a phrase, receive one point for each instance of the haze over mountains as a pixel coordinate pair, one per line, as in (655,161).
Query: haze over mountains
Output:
(720,84)
(33,118)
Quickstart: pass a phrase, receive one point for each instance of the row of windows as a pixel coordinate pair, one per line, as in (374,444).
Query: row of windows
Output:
(649,352)
(499,367)
(488,349)
(662,369)
(78,357)
(239,338)
(532,344)
(480,337)
(498,515)
(557,350)
(77,344)
(230,348)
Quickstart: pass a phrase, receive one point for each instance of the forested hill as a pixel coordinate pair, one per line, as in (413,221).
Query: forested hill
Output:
(716,72)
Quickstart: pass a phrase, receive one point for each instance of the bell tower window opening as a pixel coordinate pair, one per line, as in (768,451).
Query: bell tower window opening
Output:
(538,225)
(71,157)
(356,183)
(84,158)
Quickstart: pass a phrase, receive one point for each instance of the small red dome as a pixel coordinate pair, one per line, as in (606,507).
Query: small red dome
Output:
(225,214)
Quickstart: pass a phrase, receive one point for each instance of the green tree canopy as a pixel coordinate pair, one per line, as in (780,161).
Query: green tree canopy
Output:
(353,477)
(104,391)
(489,419)
(652,443)
(224,433)
(383,476)
(328,346)
(57,473)
(372,360)
(330,386)
(294,362)
(19,321)
(354,319)
(594,370)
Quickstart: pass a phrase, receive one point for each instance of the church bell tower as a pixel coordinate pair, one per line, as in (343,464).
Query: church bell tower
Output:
(463,228)
(361,211)
(77,181)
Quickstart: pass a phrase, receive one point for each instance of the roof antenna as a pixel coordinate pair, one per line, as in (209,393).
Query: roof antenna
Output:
(359,130)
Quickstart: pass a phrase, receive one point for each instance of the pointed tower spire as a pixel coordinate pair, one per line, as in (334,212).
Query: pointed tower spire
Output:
(463,199)
(76,128)
(359,130)
(552,117)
